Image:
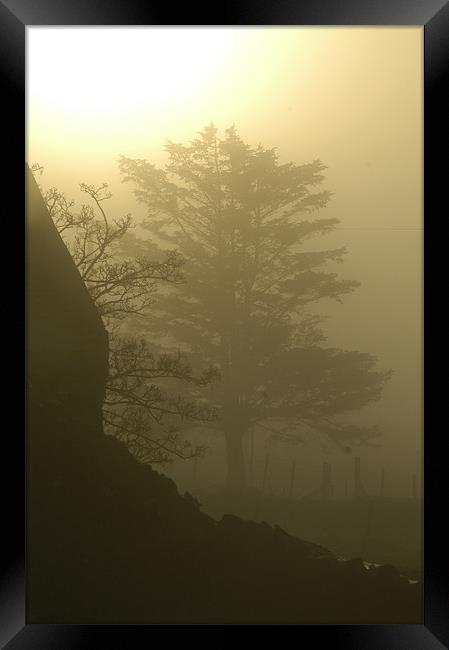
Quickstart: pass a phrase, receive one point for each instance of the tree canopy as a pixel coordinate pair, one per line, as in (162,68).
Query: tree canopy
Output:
(242,220)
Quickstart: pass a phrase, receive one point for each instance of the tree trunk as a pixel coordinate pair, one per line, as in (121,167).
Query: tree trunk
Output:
(236,475)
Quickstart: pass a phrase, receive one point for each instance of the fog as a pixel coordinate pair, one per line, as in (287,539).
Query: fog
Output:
(351,97)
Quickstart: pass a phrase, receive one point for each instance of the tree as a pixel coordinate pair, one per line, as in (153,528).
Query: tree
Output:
(242,221)
(137,409)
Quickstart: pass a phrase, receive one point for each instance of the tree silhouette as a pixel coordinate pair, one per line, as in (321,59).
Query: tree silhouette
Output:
(241,219)
(137,408)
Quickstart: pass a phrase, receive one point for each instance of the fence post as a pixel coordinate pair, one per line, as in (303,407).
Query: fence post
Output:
(292,479)
(251,457)
(326,485)
(265,473)
(359,490)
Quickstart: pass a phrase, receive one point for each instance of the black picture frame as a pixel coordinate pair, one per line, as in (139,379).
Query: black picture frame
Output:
(433,15)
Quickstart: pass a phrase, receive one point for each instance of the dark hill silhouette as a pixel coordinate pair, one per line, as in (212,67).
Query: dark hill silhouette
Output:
(111,540)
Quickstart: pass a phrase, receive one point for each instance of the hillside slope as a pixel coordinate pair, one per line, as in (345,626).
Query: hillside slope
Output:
(111,540)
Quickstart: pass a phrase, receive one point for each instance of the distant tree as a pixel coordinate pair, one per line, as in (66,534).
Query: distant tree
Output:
(137,409)
(241,220)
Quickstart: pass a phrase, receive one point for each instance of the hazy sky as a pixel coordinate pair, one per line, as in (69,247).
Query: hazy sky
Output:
(349,96)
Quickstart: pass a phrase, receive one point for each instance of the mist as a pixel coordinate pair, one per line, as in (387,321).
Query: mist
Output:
(331,118)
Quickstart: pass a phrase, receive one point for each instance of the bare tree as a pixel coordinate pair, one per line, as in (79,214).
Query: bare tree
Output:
(137,409)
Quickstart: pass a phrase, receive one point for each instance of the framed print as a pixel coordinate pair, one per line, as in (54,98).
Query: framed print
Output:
(229,416)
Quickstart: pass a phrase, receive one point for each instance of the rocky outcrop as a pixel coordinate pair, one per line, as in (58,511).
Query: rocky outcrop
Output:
(67,365)
(111,540)
(67,349)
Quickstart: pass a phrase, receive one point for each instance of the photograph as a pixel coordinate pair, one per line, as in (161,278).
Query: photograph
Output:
(224,324)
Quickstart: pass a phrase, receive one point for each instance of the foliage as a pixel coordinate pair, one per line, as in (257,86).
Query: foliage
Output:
(244,222)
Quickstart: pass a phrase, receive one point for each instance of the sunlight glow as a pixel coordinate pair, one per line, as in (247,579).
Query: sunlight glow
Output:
(121,70)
